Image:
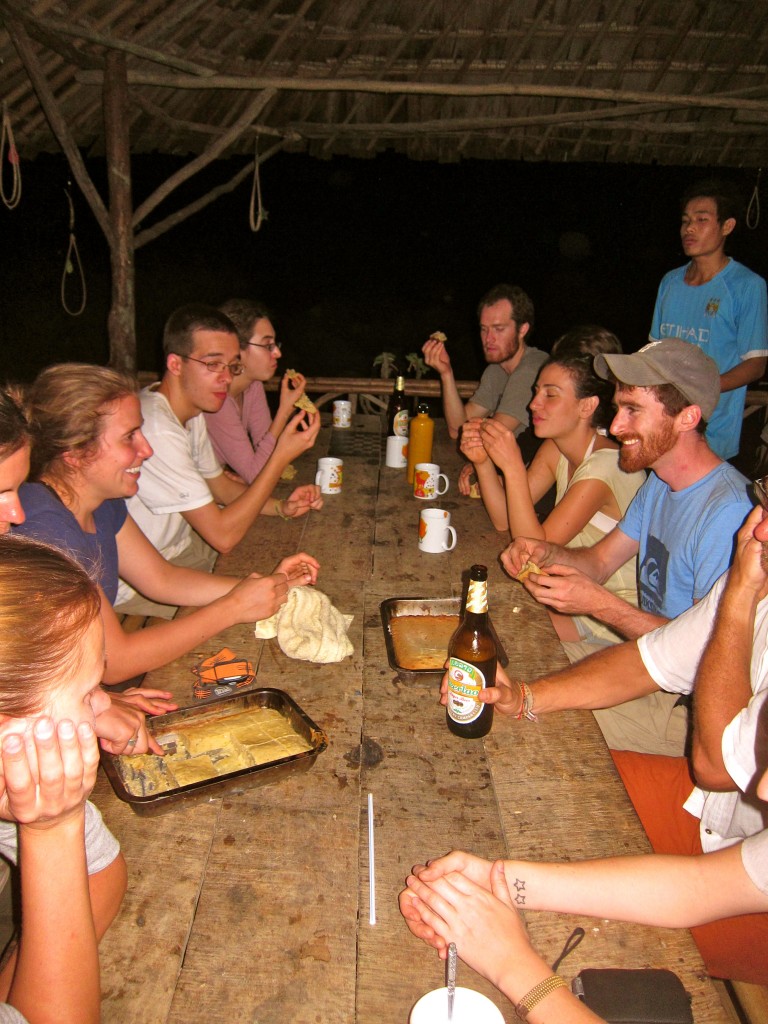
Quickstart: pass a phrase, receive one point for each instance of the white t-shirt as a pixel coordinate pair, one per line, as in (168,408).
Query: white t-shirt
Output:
(671,655)
(173,480)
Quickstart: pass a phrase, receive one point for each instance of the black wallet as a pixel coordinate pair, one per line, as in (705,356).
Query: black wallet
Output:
(651,996)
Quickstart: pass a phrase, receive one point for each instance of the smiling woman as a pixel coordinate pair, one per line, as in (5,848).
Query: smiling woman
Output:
(88,450)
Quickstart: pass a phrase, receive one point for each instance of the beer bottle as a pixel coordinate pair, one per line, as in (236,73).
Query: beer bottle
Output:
(397,411)
(471,663)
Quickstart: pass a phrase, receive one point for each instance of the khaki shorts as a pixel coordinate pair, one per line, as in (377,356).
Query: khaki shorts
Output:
(196,555)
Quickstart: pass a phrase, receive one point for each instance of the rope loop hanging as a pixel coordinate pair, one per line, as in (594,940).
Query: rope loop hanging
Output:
(72,262)
(261,215)
(753,210)
(8,146)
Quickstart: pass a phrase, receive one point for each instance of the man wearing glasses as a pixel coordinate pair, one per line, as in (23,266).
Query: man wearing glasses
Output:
(187,506)
(243,432)
(506,386)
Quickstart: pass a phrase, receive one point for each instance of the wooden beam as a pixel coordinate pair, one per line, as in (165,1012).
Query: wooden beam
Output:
(150,234)
(55,118)
(121,323)
(248,83)
(211,153)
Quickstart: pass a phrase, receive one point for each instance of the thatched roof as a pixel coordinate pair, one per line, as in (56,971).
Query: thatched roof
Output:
(668,81)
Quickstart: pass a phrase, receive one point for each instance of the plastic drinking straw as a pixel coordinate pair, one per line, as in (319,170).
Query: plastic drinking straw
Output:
(371,871)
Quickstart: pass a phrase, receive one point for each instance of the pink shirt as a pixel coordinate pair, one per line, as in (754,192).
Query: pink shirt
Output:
(241,439)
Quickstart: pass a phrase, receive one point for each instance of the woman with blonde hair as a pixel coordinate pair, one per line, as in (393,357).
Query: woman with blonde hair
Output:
(87,453)
(73,876)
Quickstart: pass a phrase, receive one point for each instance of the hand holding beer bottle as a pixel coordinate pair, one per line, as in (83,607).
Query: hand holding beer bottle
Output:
(471,663)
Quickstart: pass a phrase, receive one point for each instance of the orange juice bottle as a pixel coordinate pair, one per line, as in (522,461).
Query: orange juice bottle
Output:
(422,430)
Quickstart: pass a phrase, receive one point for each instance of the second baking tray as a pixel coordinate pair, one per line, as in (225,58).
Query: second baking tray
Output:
(395,607)
(236,781)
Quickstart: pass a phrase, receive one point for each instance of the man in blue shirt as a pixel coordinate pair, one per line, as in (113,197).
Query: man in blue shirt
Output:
(681,524)
(718,304)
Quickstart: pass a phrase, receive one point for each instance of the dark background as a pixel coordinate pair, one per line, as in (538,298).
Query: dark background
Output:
(357,257)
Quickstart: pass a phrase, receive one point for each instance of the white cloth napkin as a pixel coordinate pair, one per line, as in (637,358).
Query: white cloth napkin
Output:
(308,627)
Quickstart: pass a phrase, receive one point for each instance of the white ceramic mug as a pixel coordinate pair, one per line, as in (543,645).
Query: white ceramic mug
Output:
(426,481)
(397,452)
(329,475)
(469,1007)
(342,414)
(435,531)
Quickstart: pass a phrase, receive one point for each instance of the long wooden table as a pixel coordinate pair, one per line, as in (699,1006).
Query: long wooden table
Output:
(254,906)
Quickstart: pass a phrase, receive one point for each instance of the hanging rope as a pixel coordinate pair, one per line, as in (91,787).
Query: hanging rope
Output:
(753,210)
(8,144)
(256,194)
(72,260)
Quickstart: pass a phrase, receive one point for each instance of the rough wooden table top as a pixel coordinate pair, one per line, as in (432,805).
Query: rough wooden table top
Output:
(254,906)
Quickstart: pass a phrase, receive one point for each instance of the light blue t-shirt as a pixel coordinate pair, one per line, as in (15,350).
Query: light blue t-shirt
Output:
(728,319)
(686,537)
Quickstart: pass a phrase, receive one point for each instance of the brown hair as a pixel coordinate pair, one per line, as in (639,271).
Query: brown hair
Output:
(14,428)
(47,604)
(671,399)
(66,406)
(244,314)
(522,306)
(180,327)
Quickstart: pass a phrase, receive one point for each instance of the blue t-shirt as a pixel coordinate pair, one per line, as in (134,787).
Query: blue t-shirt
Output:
(686,537)
(728,319)
(49,520)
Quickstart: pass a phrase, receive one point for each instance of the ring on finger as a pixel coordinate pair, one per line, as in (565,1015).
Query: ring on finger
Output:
(132,741)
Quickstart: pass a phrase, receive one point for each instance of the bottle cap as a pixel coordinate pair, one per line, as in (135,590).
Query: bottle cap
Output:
(422,409)
(478,572)
(400,384)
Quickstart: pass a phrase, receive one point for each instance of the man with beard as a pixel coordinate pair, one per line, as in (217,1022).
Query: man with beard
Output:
(506,321)
(681,525)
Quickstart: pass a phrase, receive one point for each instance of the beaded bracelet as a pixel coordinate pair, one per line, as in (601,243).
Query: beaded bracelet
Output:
(526,708)
(537,993)
(279,510)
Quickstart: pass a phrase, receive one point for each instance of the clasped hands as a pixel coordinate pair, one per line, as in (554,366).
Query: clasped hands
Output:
(565,589)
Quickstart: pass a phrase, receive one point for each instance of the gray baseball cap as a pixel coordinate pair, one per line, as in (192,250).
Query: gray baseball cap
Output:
(670,361)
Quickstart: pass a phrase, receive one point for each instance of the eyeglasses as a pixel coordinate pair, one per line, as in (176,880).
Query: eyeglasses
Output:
(217,366)
(270,346)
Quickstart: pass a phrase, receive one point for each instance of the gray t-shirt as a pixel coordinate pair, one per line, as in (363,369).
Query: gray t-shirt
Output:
(101,847)
(10,1016)
(510,393)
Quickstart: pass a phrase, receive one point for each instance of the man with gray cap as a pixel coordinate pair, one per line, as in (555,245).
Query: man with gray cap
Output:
(681,525)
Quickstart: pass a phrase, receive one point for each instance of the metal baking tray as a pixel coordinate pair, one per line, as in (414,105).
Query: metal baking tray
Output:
(394,607)
(236,781)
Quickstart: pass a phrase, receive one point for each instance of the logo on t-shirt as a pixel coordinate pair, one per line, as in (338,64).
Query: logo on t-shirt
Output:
(712,307)
(652,576)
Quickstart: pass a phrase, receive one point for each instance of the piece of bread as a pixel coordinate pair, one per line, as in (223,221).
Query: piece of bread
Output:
(302,402)
(528,568)
(438,336)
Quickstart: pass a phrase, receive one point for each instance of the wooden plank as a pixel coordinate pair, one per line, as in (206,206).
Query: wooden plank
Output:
(432,792)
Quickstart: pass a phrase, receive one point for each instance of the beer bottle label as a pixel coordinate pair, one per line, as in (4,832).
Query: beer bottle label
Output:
(465,682)
(400,423)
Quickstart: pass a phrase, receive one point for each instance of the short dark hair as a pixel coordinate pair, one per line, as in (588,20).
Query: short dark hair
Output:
(244,313)
(522,307)
(726,195)
(184,321)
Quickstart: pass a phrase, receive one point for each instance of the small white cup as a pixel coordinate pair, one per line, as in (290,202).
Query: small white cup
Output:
(435,531)
(397,452)
(342,414)
(469,1007)
(329,475)
(426,481)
